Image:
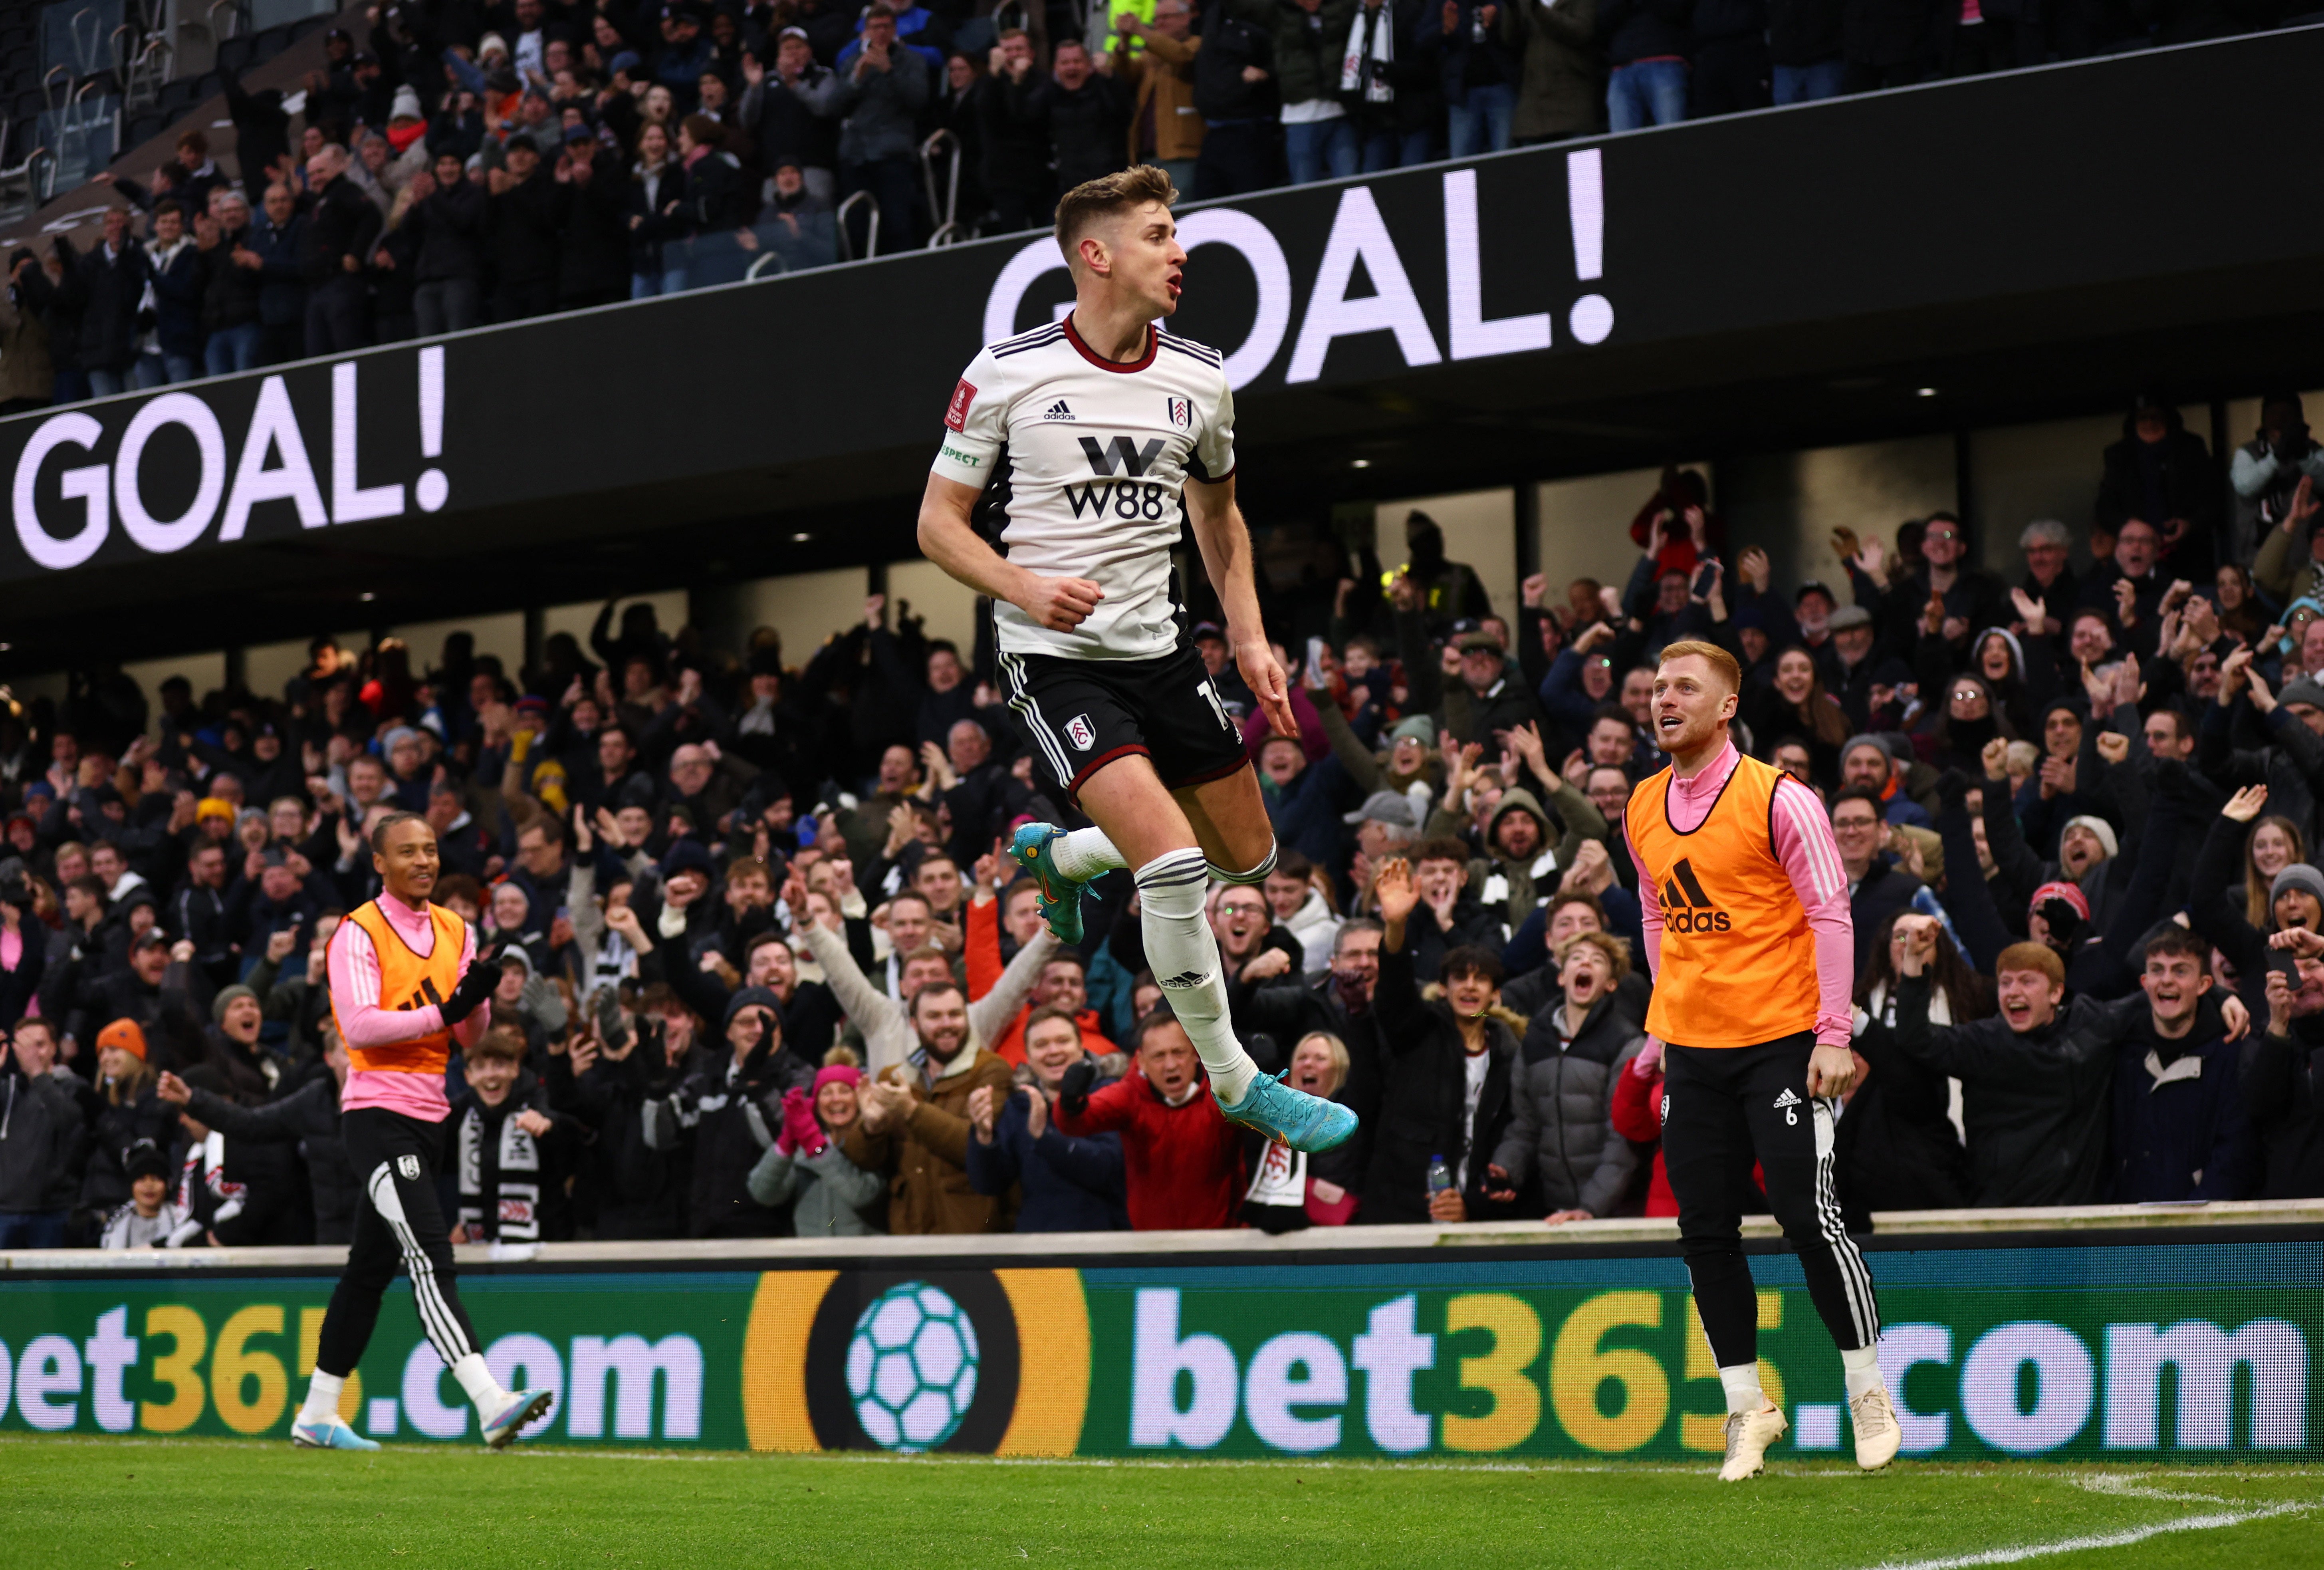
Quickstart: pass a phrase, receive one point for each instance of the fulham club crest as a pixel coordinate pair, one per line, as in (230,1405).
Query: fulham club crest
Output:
(1080,732)
(1182,413)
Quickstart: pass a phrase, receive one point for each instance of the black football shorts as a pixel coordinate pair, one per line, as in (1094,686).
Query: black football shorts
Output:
(1079,715)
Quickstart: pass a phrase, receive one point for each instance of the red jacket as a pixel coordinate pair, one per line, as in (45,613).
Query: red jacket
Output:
(1184,1163)
(1637,1114)
(984,968)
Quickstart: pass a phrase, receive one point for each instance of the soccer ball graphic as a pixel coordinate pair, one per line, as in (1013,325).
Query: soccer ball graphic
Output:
(911,1367)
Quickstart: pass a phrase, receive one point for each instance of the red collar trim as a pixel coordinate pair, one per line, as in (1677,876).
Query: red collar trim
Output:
(1116,366)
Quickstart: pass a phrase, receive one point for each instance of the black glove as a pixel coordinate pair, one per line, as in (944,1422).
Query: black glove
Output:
(1073,1091)
(2065,921)
(477,985)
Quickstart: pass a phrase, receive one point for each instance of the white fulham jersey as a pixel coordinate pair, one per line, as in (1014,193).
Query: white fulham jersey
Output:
(1082,462)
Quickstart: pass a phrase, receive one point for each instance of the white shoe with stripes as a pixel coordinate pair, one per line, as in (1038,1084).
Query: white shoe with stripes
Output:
(523,1407)
(1877,1435)
(1748,1434)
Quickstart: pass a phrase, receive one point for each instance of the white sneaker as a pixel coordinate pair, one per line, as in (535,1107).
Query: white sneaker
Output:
(1877,1435)
(1748,1434)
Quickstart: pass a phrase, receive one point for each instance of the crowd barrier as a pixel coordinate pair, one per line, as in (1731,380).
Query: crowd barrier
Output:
(2120,1334)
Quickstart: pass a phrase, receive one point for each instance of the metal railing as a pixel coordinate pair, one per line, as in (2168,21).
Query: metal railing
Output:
(864,200)
(944,214)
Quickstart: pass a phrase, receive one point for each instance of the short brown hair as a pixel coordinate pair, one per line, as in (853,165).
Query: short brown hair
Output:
(1043,1015)
(1718,659)
(1615,950)
(2038,957)
(501,1043)
(1124,190)
(1443,848)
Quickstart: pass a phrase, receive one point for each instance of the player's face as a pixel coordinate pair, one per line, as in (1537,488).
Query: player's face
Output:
(1691,703)
(1144,259)
(407,862)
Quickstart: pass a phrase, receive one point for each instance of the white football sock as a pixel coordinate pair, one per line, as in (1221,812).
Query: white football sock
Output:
(484,1391)
(1863,1369)
(1742,1386)
(322,1403)
(1085,853)
(1184,956)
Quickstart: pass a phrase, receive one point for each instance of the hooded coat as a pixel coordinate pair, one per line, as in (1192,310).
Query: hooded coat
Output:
(1423,1107)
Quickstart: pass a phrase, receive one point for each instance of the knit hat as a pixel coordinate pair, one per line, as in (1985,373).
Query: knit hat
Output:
(2298,875)
(227,996)
(752,998)
(2303,691)
(838,1074)
(2072,895)
(2100,828)
(145,1161)
(213,807)
(489,43)
(1849,616)
(1864,740)
(1418,727)
(625,60)
(126,1034)
(406,106)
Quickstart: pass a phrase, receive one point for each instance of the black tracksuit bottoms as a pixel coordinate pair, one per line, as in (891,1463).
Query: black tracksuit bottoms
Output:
(399,1223)
(1724,1108)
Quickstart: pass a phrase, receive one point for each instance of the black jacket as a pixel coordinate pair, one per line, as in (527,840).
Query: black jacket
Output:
(451,226)
(308,1118)
(2036,1106)
(230,291)
(1896,1148)
(510,1184)
(2174,476)
(1634,29)
(593,231)
(1088,126)
(730,1119)
(2284,1086)
(1229,44)
(648,216)
(523,229)
(1424,1098)
(1802,33)
(108,288)
(341,222)
(42,1142)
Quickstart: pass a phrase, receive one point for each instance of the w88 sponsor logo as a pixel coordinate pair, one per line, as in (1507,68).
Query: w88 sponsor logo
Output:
(1150,500)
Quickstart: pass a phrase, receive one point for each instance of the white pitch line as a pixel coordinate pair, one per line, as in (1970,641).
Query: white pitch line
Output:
(2122,1539)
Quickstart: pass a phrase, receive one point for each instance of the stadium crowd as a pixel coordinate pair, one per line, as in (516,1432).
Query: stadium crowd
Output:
(476,162)
(766,970)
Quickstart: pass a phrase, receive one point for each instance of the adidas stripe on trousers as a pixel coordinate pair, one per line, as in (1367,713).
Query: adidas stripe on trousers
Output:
(1724,1110)
(399,1226)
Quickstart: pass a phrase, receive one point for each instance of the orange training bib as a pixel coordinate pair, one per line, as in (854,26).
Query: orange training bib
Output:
(1738,966)
(408,981)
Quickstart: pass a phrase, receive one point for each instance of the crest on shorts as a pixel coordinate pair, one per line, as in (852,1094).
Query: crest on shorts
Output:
(1080,732)
(408,1167)
(1182,413)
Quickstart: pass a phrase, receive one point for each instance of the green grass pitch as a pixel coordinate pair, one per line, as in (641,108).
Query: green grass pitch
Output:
(215,1505)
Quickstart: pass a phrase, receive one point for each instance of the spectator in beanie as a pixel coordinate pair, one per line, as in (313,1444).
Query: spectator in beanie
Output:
(727,1108)
(1183,1160)
(805,1169)
(1066,1184)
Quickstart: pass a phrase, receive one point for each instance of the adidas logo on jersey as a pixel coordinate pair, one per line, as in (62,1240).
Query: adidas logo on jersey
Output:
(1786,1099)
(1192,978)
(1057,411)
(1686,907)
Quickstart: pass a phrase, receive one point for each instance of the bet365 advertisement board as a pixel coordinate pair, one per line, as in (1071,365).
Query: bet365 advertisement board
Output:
(2188,1351)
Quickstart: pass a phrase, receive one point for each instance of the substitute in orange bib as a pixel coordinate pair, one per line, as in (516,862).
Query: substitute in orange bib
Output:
(1745,903)
(407,986)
